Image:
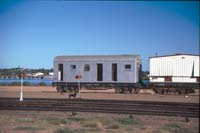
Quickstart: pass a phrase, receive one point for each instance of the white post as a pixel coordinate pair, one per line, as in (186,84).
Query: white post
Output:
(21,93)
(59,75)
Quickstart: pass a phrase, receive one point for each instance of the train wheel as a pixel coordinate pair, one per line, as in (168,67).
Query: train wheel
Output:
(61,89)
(192,90)
(122,90)
(117,90)
(130,90)
(184,91)
(58,88)
(161,91)
(167,91)
(137,90)
(155,90)
(178,91)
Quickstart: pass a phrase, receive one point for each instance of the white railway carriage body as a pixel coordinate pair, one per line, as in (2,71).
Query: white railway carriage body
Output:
(102,69)
(178,70)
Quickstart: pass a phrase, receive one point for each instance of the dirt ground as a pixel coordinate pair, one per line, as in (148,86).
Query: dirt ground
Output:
(50,92)
(68,122)
(75,122)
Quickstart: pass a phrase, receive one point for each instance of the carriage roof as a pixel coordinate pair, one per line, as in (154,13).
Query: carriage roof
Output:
(98,57)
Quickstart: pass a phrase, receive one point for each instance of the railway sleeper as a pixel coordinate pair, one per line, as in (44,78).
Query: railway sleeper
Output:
(103,110)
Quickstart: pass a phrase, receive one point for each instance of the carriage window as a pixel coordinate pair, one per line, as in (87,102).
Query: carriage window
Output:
(73,67)
(87,67)
(127,67)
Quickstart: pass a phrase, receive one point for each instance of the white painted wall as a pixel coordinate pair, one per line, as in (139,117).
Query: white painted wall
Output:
(180,67)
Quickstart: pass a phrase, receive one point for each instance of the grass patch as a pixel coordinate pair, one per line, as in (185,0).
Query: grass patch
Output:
(129,121)
(113,126)
(57,121)
(98,122)
(157,131)
(174,128)
(29,128)
(104,120)
(25,120)
(92,130)
(76,119)
(67,130)
(101,122)
(90,124)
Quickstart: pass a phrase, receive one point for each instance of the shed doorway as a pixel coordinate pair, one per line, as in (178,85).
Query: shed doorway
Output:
(99,72)
(60,72)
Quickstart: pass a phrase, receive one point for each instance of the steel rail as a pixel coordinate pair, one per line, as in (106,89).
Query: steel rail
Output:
(103,106)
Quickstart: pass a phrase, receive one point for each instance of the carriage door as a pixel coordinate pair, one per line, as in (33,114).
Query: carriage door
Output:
(60,72)
(114,72)
(99,72)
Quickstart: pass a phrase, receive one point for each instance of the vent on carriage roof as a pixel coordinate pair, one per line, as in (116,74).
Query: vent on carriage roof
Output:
(179,54)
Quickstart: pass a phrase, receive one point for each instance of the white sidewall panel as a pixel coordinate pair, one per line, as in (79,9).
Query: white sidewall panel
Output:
(196,67)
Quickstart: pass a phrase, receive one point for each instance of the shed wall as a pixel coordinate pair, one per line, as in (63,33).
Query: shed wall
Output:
(182,68)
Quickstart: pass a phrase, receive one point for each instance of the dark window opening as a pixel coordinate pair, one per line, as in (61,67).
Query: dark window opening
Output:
(114,72)
(60,70)
(99,72)
(87,67)
(73,67)
(127,67)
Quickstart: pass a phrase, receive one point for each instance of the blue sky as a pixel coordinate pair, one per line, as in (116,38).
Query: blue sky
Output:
(32,33)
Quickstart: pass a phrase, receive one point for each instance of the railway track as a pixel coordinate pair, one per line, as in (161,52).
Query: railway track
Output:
(103,106)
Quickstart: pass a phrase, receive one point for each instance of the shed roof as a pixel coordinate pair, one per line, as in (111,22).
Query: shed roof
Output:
(174,55)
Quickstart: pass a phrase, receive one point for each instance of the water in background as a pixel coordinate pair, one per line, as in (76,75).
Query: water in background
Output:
(37,81)
(145,82)
(31,81)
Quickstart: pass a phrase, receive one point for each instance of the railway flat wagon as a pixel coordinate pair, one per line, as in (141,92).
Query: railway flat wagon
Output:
(97,72)
(174,73)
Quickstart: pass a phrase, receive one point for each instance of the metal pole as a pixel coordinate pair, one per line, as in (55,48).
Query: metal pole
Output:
(21,93)
(79,94)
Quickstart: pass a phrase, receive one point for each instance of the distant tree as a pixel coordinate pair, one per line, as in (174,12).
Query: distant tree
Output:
(145,75)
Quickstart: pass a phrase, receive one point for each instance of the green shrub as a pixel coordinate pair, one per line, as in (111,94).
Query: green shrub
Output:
(57,121)
(29,128)
(174,128)
(76,119)
(129,121)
